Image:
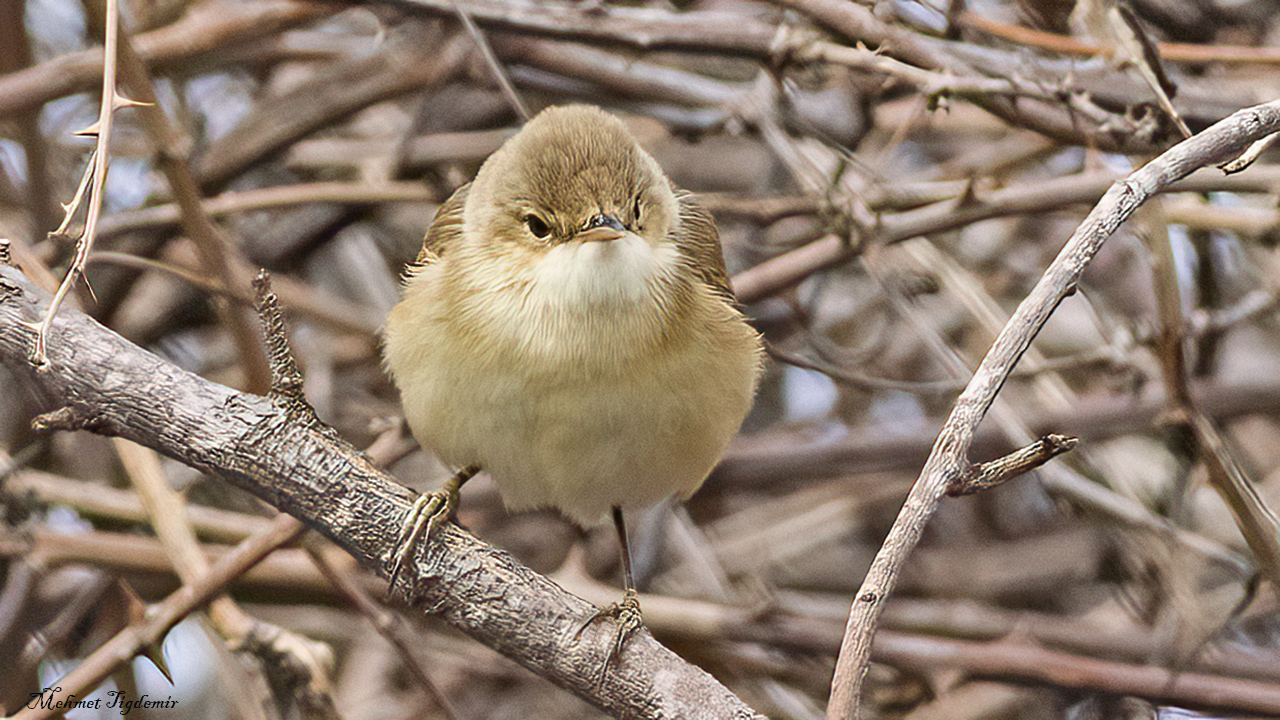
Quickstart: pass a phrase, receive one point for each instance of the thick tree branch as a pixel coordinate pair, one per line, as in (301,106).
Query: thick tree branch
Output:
(116,388)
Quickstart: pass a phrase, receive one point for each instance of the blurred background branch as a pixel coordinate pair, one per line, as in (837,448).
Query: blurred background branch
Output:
(890,179)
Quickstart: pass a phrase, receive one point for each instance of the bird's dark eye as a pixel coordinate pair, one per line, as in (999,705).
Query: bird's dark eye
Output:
(635,213)
(537,226)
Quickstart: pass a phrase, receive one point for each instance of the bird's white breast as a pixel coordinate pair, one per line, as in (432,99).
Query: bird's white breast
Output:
(595,302)
(591,276)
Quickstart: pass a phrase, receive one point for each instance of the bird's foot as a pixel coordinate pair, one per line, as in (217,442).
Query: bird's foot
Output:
(428,511)
(627,615)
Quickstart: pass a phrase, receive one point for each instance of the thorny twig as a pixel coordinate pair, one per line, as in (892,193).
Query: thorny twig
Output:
(95,176)
(162,617)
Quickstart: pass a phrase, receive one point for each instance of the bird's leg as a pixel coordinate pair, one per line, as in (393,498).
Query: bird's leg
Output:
(428,511)
(627,611)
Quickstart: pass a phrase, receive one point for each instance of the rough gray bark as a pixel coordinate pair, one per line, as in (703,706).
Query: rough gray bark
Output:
(110,386)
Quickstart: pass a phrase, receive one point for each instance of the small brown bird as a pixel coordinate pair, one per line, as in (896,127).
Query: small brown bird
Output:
(569,329)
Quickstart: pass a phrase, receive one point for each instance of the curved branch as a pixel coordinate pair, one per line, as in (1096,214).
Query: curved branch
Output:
(949,458)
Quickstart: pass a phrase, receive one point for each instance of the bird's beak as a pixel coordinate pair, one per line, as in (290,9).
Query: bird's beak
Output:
(602,228)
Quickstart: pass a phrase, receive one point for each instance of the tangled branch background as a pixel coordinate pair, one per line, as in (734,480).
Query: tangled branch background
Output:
(890,180)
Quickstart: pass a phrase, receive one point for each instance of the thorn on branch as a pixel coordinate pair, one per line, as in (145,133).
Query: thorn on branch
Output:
(69,209)
(136,611)
(286,376)
(989,474)
(93,130)
(68,417)
(120,101)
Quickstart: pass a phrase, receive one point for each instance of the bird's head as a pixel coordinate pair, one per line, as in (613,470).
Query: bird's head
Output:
(573,174)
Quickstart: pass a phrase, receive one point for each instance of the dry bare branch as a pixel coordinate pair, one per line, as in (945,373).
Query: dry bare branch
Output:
(948,459)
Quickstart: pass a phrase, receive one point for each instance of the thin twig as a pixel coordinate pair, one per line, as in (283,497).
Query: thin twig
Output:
(203,31)
(350,193)
(167,514)
(1248,157)
(322,306)
(1009,659)
(930,83)
(1191,427)
(1176,52)
(122,506)
(495,67)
